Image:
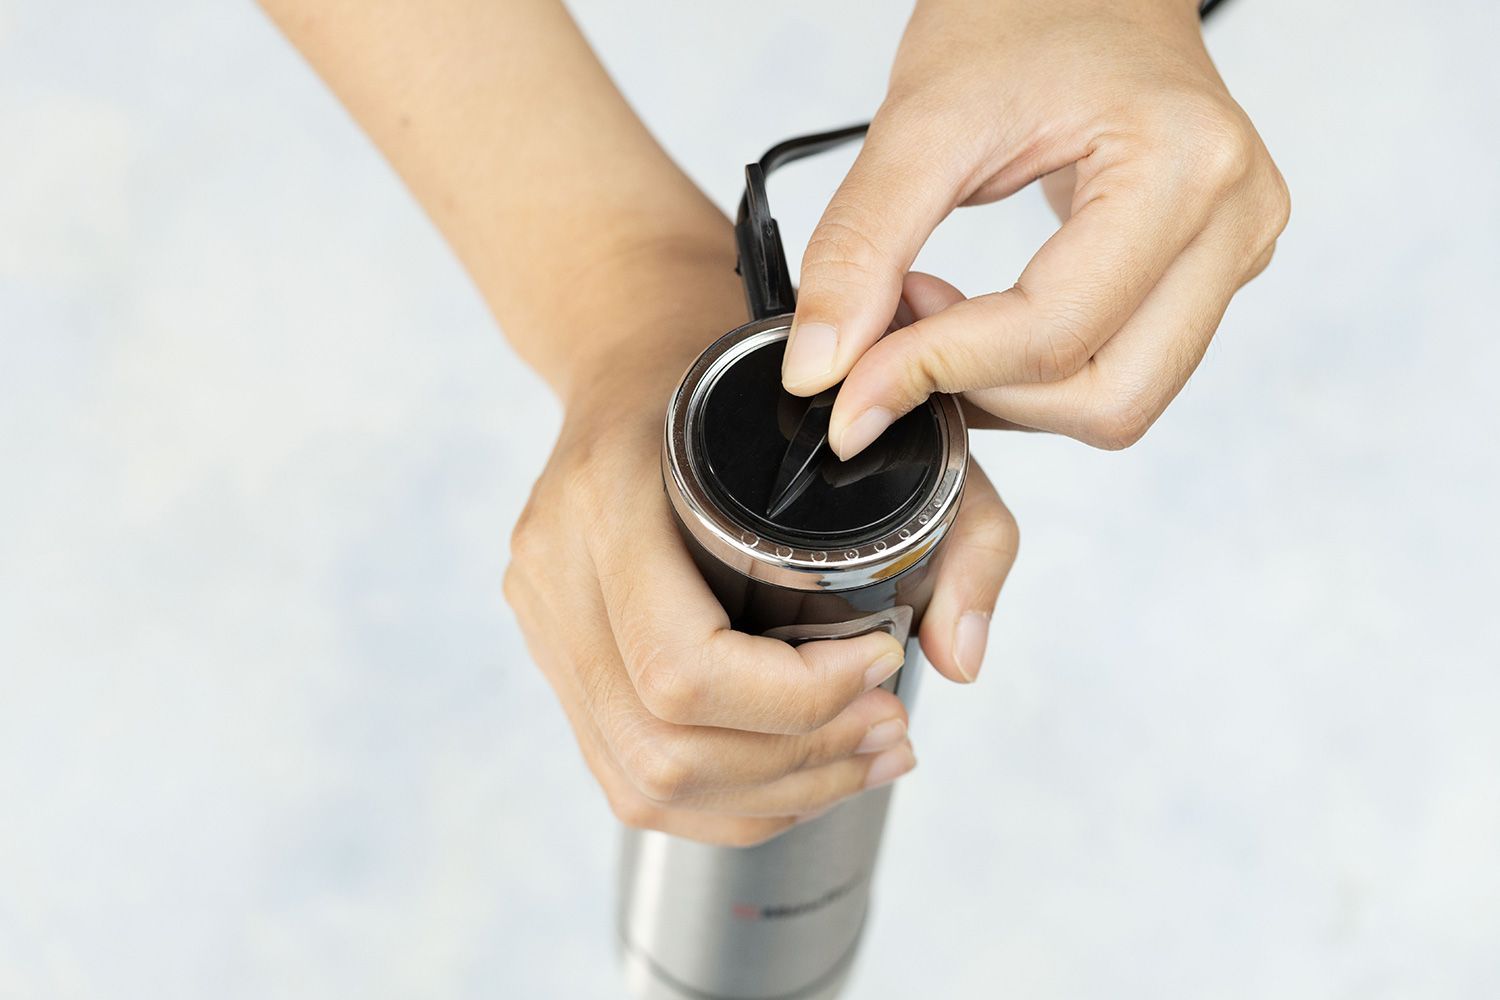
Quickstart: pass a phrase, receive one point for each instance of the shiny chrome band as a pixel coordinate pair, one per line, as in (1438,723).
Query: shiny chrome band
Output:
(773,561)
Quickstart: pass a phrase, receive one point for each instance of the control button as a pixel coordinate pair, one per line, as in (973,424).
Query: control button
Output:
(895,621)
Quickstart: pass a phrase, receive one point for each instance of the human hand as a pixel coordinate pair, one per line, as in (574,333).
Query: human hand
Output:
(1169,199)
(688,726)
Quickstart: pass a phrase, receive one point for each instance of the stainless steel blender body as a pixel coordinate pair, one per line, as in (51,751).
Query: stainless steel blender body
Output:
(783,919)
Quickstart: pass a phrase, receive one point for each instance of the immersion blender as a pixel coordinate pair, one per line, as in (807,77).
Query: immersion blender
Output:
(799,546)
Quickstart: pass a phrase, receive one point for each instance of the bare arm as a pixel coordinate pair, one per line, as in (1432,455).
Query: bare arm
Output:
(609,271)
(508,131)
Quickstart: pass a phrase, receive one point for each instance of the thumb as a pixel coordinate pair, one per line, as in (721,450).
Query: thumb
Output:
(893,197)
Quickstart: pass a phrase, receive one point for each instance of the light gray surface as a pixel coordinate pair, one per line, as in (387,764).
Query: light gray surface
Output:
(267,729)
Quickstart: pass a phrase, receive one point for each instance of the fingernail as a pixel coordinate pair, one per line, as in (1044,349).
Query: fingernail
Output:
(889,766)
(881,669)
(809,353)
(865,428)
(968,643)
(882,736)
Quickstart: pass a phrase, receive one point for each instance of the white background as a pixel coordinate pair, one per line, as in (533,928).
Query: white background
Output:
(267,729)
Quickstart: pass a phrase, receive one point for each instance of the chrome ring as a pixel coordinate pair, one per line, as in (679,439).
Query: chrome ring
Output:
(797,568)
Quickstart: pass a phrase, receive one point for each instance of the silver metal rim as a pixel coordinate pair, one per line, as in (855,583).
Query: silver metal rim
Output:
(784,565)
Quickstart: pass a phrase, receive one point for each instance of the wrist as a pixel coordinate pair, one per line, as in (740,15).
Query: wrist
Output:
(643,326)
(623,309)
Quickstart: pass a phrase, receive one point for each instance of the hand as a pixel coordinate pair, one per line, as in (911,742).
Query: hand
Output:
(690,727)
(1169,199)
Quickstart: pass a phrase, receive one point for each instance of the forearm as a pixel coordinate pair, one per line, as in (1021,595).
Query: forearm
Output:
(563,208)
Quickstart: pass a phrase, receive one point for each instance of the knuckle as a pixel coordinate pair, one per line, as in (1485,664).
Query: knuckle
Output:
(917,373)
(1119,422)
(658,773)
(512,587)
(526,544)
(1217,143)
(995,533)
(1057,346)
(669,692)
(634,812)
(1260,263)
(1225,157)
(908,368)
(526,547)
(1264,222)
(1283,204)
(1278,210)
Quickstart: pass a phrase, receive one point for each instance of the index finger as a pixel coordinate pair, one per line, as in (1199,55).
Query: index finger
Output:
(894,195)
(1078,289)
(690,668)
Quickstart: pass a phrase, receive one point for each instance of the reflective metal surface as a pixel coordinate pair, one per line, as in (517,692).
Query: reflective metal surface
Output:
(799,567)
(782,920)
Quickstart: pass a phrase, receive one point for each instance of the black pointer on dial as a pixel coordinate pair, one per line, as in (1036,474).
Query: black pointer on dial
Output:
(800,463)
